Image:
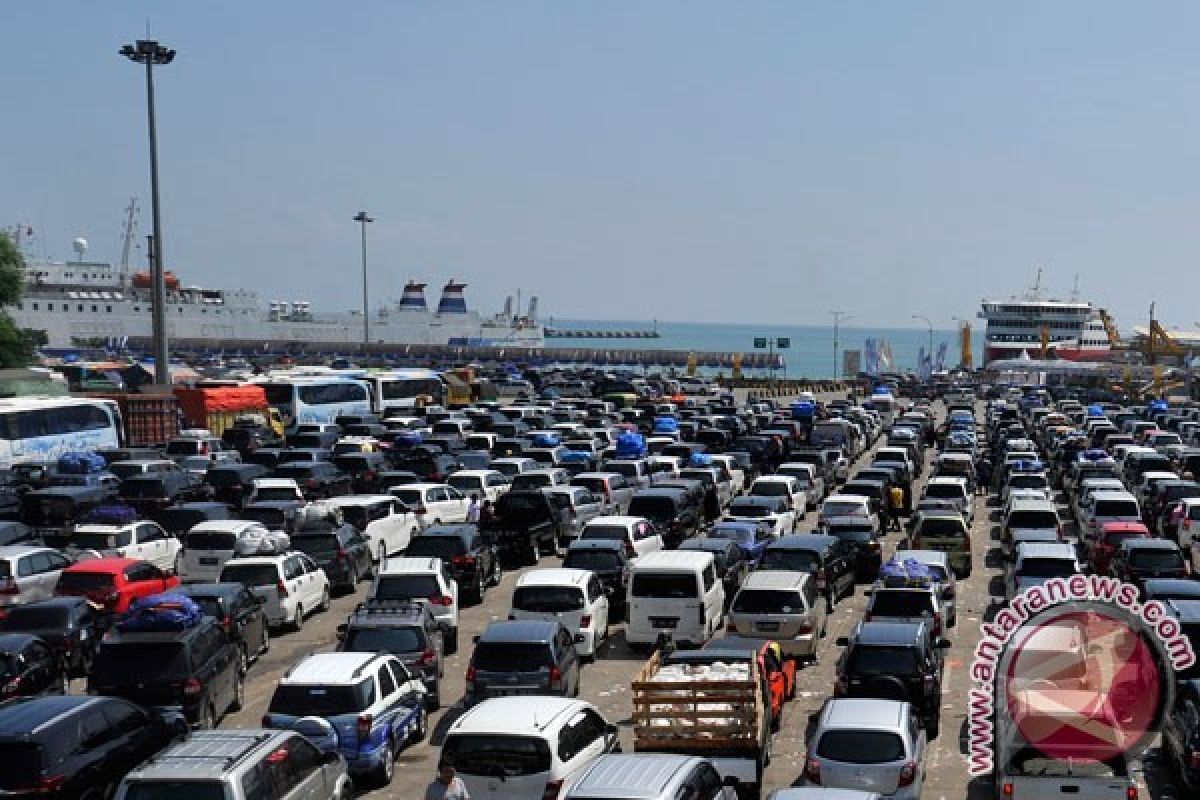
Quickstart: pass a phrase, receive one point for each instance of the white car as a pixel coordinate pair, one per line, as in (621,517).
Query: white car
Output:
(486,484)
(1037,562)
(574,597)
(844,505)
(274,490)
(781,486)
(737,475)
(812,483)
(207,546)
(498,733)
(291,585)
(433,503)
(638,533)
(143,540)
(421,579)
(381,519)
(29,573)
(749,508)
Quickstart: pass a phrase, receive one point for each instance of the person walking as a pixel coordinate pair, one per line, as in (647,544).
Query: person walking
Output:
(983,474)
(473,510)
(895,506)
(447,785)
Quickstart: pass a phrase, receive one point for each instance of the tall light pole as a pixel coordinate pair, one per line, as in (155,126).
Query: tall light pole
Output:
(838,318)
(362,219)
(929,352)
(151,53)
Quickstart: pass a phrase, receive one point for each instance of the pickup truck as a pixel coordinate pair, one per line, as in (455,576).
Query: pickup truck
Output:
(684,703)
(525,524)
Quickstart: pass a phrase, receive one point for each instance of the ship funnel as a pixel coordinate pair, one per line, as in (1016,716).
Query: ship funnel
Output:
(452,301)
(533,304)
(413,298)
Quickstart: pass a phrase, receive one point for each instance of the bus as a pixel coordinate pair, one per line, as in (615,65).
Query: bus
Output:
(406,389)
(316,398)
(40,429)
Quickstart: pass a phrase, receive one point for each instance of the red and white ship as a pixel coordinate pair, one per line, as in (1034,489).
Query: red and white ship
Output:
(1023,326)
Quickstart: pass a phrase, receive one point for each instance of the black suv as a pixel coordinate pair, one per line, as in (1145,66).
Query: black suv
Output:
(608,559)
(831,559)
(1181,736)
(1137,560)
(364,470)
(240,613)
(198,668)
(232,482)
(76,746)
(68,624)
(473,562)
(340,551)
(409,631)
(178,520)
(157,490)
(29,666)
(673,512)
(894,661)
(538,656)
(316,479)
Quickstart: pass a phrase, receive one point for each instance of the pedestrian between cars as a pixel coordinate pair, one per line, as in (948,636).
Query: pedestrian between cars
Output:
(983,475)
(895,506)
(473,510)
(447,785)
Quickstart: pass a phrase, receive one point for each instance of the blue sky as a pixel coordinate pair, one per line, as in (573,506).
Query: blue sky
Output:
(738,162)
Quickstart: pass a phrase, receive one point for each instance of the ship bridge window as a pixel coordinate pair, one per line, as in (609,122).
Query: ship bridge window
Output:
(49,306)
(35,306)
(108,309)
(93,309)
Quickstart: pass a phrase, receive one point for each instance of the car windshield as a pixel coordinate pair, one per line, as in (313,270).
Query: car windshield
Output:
(768,601)
(497,756)
(1156,559)
(323,701)
(92,540)
(72,581)
(443,547)
(901,603)
(155,660)
(1033,520)
(673,585)
(1046,568)
(787,558)
(274,493)
(871,660)
(547,598)
(511,656)
(617,532)
(404,587)
(171,790)
(861,747)
(250,574)
(595,560)
(384,640)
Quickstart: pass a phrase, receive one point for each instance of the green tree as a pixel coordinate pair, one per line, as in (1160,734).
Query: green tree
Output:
(16,346)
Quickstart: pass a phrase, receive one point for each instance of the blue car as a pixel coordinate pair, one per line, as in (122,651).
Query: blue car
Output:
(751,537)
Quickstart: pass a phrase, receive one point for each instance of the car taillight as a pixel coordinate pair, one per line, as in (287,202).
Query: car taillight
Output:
(929,684)
(192,686)
(812,770)
(12,687)
(1131,793)
(363,726)
(907,773)
(467,560)
(555,678)
(441,600)
(471,674)
(585,621)
(281,587)
(227,623)
(551,791)
(1007,789)
(342,555)
(428,656)
(312,483)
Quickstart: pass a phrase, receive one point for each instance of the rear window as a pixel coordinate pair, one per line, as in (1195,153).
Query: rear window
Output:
(768,601)
(770,489)
(274,494)
(652,507)
(1046,568)
(178,520)
(1028,482)
(464,483)
(595,560)
(882,661)
(901,603)
(528,481)
(172,790)
(843,509)
(943,527)
(628,470)
(403,587)
(319,545)
(671,585)
(1116,508)
(787,558)
(1156,559)
(250,574)
(272,518)
(443,547)
(1033,520)
(491,755)
(384,640)
(511,656)
(183,447)
(88,540)
(323,701)
(28,618)
(749,510)
(209,540)
(861,747)
(945,490)
(617,532)
(23,763)
(143,487)
(148,660)
(539,599)
(85,581)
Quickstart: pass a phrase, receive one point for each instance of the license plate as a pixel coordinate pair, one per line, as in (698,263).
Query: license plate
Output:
(664,622)
(208,561)
(766,626)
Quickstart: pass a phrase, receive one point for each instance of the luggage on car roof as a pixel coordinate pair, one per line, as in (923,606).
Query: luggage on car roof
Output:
(111,515)
(161,612)
(262,543)
(81,462)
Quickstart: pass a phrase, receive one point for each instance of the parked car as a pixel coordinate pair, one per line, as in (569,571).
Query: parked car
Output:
(573,597)
(473,562)
(783,606)
(208,546)
(334,546)
(831,561)
(407,630)
(232,482)
(143,540)
(154,491)
(177,520)
(28,573)
(316,479)
(1136,560)
(526,657)
(30,666)
(291,585)
(68,624)
(240,614)
(421,579)
(867,744)
(112,584)
(610,562)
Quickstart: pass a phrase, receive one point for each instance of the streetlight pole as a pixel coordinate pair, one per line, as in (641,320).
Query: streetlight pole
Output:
(362,219)
(929,352)
(151,53)
(838,318)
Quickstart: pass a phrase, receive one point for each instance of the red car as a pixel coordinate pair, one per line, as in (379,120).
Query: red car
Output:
(1110,538)
(112,584)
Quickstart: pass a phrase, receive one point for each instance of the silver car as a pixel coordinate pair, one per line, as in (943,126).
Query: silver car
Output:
(868,744)
(29,573)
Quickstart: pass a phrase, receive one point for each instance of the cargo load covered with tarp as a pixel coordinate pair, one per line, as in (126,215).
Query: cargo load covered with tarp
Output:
(218,408)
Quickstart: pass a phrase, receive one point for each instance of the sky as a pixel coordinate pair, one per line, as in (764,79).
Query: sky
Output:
(691,160)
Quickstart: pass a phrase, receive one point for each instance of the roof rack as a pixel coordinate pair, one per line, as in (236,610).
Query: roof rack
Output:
(256,739)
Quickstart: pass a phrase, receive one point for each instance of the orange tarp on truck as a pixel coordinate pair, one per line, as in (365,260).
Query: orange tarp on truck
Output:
(201,406)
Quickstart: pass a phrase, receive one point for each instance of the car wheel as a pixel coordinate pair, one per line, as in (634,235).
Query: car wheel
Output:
(418,735)
(324,606)
(387,767)
(239,694)
(298,621)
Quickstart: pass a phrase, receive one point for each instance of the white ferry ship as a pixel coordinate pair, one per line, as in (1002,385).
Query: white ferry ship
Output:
(80,303)
(1072,329)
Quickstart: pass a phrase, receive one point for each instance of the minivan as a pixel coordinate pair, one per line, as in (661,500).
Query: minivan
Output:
(207,546)
(676,593)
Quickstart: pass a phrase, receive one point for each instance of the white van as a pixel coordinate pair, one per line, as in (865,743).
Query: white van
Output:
(674,592)
(208,545)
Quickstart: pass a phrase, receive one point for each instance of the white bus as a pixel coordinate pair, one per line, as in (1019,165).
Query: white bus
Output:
(35,429)
(401,388)
(311,398)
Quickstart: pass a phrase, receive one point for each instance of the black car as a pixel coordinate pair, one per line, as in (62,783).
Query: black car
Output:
(269,457)
(29,666)
(338,549)
(894,661)
(198,669)
(862,536)
(392,477)
(408,631)
(316,479)
(828,557)
(303,455)
(1181,736)
(179,519)
(608,559)
(314,440)
(430,464)
(232,482)
(731,563)
(473,562)
(1137,560)
(156,490)
(240,613)
(364,470)
(75,746)
(246,439)
(68,624)
(533,657)
(1165,589)
(673,512)
(275,515)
